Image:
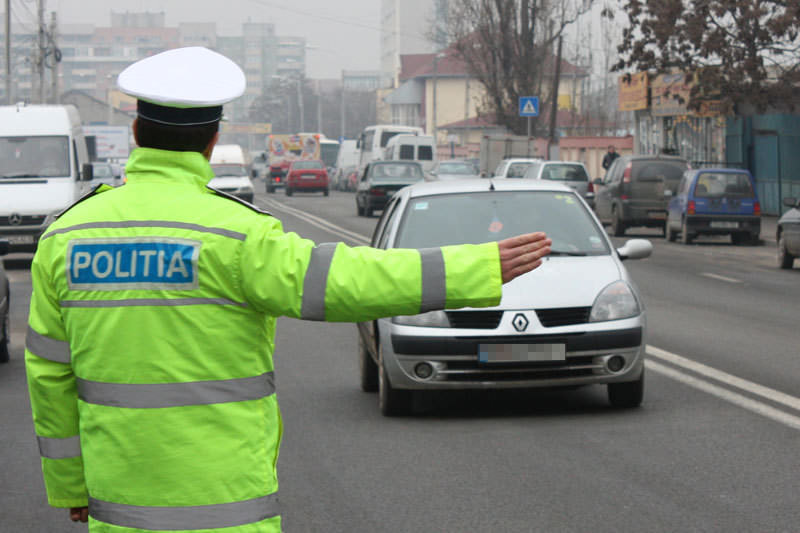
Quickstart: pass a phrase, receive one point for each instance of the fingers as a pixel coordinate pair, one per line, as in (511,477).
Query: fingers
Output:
(79,514)
(521,240)
(522,254)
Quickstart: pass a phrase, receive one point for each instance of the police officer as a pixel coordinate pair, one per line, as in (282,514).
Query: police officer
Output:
(152,321)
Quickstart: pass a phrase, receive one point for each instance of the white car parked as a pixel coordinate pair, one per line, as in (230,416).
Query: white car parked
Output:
(576,320)
(514,167)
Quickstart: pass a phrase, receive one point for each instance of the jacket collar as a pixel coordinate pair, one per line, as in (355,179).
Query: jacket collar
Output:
(148,165)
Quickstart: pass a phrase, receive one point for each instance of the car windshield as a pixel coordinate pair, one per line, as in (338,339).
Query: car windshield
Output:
(102,171)
(34,157)
(396,171)
(713,185)
(517,170)
(478,217)
(456,168)
(228,170)
(307,165)
(564,172)
(659,170)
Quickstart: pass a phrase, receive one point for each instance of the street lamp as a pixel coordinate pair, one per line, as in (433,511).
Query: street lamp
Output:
(435,128)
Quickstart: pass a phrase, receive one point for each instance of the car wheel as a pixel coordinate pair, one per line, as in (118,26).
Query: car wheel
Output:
(367,208)
(4,355)
(669,233)
(270,190)
(785,259)
(359,209)
(367,367)
(289,191)
(685,237)
(326,192)
(626,395)
(617,226)
(741,238)
(392,402)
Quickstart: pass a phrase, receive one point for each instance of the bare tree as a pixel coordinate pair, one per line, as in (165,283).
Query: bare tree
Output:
(740,51)
(508,46)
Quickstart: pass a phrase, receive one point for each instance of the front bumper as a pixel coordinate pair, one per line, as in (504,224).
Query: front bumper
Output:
(22,239)
(453,355)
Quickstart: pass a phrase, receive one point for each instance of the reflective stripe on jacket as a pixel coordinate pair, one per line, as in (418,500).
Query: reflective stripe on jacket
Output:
(150,341)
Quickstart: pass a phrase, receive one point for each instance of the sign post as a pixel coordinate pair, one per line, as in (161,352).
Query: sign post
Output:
(529,107)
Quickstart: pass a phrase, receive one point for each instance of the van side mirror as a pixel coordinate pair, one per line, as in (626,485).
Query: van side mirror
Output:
(87,172)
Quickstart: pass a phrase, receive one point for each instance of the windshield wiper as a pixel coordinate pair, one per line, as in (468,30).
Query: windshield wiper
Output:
(565,252)
(21,175)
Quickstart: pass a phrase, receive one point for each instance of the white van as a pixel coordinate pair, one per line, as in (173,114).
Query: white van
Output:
(348,154)
(374,139)
(231,171)
(419,148)
(44,168)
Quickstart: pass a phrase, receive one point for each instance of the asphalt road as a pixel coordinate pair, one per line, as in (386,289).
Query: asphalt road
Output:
(714,446)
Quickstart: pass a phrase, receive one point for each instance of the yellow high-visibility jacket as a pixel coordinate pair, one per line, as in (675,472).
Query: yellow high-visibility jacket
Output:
(151,334)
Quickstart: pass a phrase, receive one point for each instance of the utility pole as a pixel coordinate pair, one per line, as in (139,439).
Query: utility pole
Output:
(9,97)
(554,110)
(300,104)
(342,128)
(319,108)
(40,55)
(56,56)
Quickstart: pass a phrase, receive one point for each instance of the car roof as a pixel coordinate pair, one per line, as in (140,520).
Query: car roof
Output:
(429,188)
(562,163)
(393,162)
(521,159)
(721,170)
(653,157)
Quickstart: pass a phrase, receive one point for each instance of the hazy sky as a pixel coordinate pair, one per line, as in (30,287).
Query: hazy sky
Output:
(345,32)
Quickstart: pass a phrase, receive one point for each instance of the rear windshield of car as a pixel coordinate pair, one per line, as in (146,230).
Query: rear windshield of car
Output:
(456,168)
(398,171)
(307,165)
(228,170)
(478,217)
(102,171)
(658,170)
(517,170)
(715,185)
(564,172)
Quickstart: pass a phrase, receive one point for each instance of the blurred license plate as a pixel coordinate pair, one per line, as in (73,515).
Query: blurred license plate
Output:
(723,224)
(309,176)
(19,239)
(520,353)
(661,215)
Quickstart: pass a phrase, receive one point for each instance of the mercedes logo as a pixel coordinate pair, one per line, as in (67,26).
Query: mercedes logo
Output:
(15,219)
(520,322)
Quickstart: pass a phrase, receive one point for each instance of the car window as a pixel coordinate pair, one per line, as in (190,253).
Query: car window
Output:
(494,215)
(102,171)
(425,153)
(228,170)
(379,236)
(517,170)
(711,185)
(307,165)
(456,168)
(564,172)
(532,171)
(396,171)
(499,170)
(658,170)
(407,152)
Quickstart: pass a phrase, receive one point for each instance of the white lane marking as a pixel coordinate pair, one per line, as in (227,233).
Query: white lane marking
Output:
(733,397)
(320,222)
(721,278)
(754,388)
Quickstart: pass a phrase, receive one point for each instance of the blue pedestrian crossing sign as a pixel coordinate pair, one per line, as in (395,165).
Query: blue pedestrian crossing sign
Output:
(529,106)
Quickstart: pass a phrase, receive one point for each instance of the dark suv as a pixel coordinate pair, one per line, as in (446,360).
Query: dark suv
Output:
(636,191)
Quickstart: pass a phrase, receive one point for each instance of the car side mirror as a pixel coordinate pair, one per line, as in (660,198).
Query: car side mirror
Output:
(597,181)
(87,172)
(635,249)
(4,246)
(790,202)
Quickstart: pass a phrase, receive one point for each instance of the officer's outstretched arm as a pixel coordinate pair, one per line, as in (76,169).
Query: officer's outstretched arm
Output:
(54,398)
(284,274)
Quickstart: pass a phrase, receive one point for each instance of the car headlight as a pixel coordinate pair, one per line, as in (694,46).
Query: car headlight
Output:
(432,319)
(244,189)
(615,302)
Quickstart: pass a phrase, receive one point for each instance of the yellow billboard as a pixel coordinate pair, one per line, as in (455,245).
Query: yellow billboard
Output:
(633,91)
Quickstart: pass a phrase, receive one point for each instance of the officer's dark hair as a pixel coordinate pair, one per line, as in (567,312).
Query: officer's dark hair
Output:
(151,134)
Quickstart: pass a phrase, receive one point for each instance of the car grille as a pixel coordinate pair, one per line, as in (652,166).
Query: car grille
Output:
(474,319)
(473,371)
(26,220)
(563,316)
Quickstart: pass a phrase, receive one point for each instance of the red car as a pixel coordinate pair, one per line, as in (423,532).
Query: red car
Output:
(307,176)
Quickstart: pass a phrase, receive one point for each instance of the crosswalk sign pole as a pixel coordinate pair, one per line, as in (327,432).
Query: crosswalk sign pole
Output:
(529,126)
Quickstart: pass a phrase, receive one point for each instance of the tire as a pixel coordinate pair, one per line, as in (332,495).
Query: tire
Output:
(270,190)
(392,402)
(743,238)
(685,237)
(4,354)
(617,226)
(785,259)
(326,192)
(359,209)
(367,209)
(289,191)
(669,233)
(367,368)
(626,395)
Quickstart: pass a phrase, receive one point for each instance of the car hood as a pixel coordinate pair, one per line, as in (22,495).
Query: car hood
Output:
(37,197)
(561,281)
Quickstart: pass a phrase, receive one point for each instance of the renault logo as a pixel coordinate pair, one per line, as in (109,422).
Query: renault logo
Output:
(15,219)
(520,322)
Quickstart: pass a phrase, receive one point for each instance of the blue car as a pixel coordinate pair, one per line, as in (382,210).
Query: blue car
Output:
(714,201)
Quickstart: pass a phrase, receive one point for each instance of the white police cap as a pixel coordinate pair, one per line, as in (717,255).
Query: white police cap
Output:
(183,86)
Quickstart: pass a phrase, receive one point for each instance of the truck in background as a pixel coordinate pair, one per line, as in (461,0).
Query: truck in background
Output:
(231,171)
(373,141)
(44,168)
(412,147)
(495,148)
(282,149)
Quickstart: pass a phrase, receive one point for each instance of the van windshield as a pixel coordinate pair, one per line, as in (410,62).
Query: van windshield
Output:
(229,170)
(34,157)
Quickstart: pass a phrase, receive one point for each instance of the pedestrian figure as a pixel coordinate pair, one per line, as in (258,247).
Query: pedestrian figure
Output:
(610,156)
(149,351)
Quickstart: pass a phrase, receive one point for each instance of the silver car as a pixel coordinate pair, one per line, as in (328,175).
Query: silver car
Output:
(571,173)
(576,320)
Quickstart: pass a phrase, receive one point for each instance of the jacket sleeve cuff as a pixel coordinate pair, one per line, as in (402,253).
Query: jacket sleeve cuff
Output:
(64,481)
